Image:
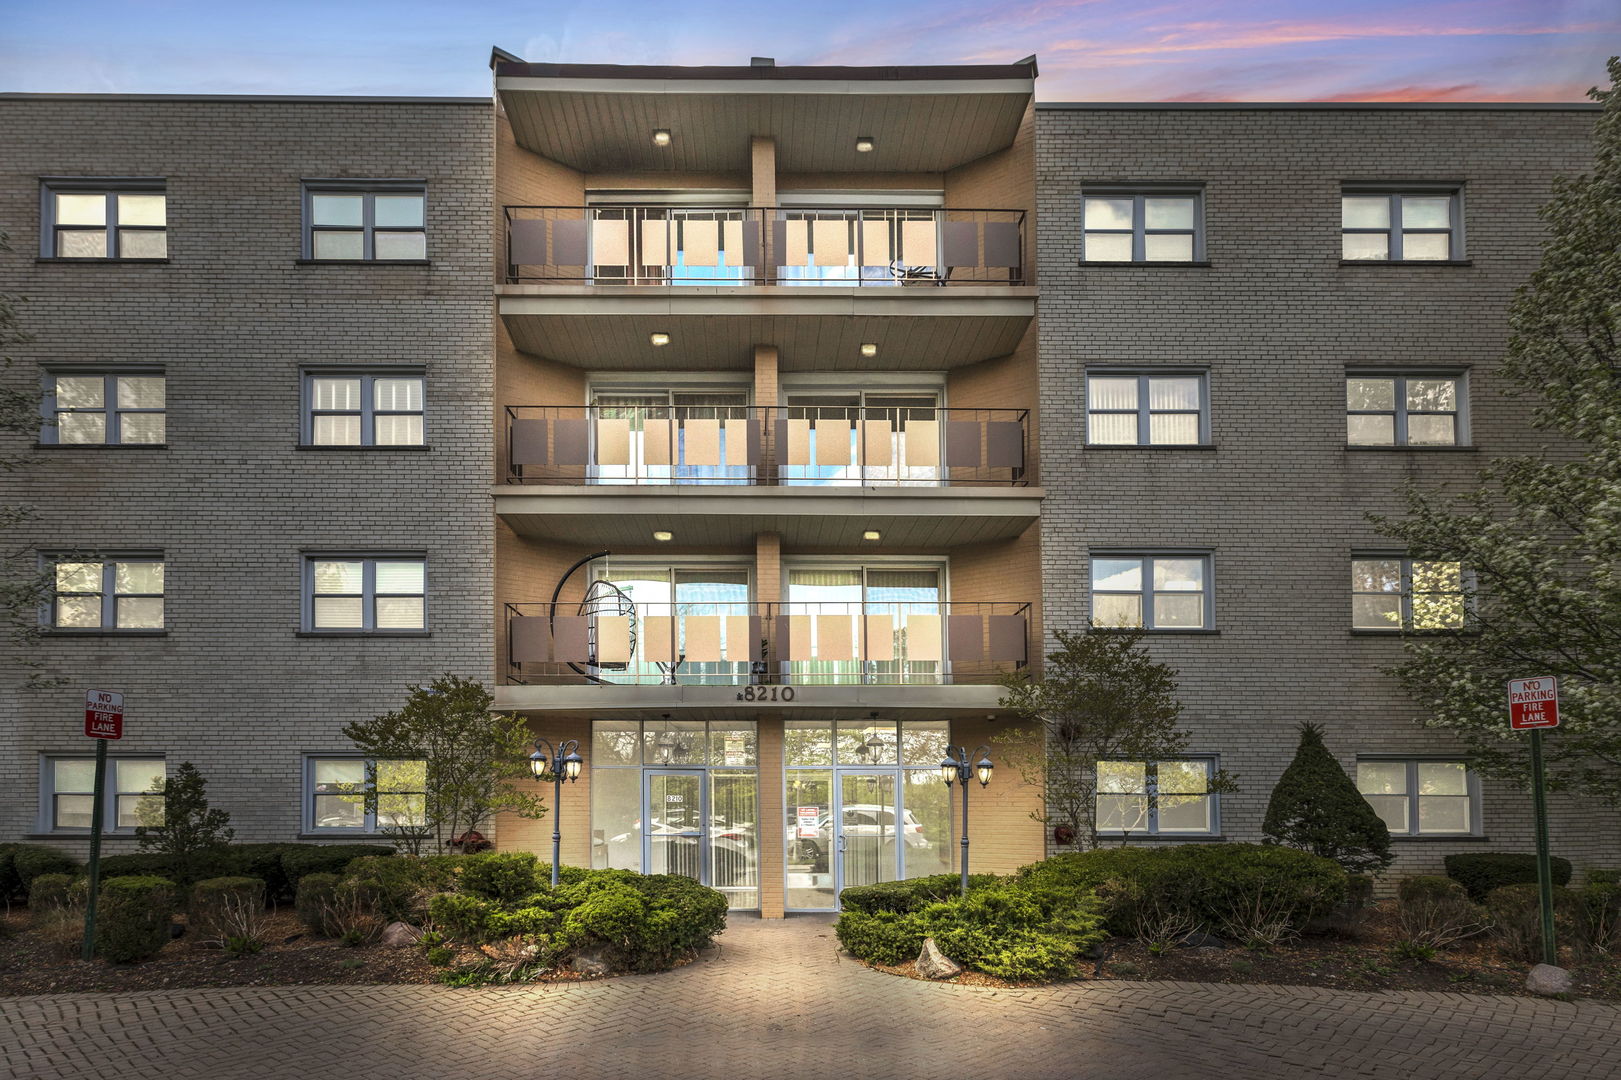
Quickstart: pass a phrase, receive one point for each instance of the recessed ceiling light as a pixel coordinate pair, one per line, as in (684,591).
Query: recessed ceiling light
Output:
(661,536)
(872,534)
(864,144)
(661,137)
(869,350)
(658,338)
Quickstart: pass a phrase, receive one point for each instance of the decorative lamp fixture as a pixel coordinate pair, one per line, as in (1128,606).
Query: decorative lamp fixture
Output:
(959,767)
(568,766)
(658,339)
(661,137)
(864,144)
(872,534)
(869,349)
(663,536)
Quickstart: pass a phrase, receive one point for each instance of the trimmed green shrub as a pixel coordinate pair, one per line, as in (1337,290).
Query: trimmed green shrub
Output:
(1483,872)
(880,937)
(315,902)
(29,861)
(398,886)
(462,917)
(299,860)
(1595,876)
(910,895)
(53,892)
(1516,915)
(505,876)
(1435,912)
(1316,807)
(11,886)
(1429,887)
(136,865)
(264,861)
(221,906)
(133,916)
(1600,903)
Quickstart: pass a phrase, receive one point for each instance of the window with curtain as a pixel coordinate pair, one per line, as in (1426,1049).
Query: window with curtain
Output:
(1139,409)
(662,601)
(855,624)
(671,436)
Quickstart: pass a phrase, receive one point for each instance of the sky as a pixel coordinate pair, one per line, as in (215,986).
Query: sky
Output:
(1089,50)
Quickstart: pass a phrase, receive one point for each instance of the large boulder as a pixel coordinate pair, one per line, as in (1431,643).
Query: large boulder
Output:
(1549,981)
(591,964)
(934,964)
(398,935)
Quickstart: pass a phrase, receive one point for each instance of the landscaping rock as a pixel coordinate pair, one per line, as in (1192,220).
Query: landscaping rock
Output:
(397,935)
(1196,940)
(1549,981)
(934,964)
(590,963)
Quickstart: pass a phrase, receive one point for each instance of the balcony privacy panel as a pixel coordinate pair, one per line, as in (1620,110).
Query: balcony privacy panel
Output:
(921,446)
(1002,244)
(965,636)
(1008,637)
(961,243)
(568,242)
(529,438)
(528,243)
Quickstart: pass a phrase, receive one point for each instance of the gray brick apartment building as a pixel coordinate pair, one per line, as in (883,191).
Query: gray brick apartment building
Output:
(366,376)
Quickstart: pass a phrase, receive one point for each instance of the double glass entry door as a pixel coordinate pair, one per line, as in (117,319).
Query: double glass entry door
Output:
(854,827)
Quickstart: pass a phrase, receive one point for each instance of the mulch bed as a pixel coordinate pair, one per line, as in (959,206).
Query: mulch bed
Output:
(1363,962)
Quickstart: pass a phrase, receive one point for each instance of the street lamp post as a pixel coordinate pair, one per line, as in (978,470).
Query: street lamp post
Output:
(958,765)
(547,758)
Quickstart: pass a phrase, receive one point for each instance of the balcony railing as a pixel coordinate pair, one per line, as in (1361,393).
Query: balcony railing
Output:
(720,246)
(611,640)
(808,445)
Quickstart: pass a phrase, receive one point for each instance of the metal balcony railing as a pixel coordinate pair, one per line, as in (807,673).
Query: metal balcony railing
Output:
(608,639)
(764,245)
(792,445)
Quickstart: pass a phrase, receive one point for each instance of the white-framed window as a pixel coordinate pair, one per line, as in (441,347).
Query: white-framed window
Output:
(133,794)
(1142,225)
(1158,798)
(1393,592)
(88,218)
(347,793)
(1139,408)
(1403,224)
(104,409)
(1421,797)
(352,408)
(354,594)
(1151,592)
(365,220)
(1389,409)
(123,593)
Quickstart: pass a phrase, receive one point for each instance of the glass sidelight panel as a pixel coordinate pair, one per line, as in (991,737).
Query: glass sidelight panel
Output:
(616,819)
(808,843)
(926,837)
(734,816)
(675,824)
(868,840)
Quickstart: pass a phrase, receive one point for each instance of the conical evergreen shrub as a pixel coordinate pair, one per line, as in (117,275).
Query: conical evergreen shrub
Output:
(1317,807)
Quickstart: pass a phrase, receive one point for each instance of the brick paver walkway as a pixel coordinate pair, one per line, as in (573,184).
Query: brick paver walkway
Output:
(776,1000)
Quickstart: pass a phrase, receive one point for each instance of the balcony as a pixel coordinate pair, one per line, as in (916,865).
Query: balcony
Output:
(764,652)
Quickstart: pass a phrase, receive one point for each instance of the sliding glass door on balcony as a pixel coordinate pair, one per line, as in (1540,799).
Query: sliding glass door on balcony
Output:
(652,245)
(862,624)
(692,623)
(855,437)
(838,246)
(671,437)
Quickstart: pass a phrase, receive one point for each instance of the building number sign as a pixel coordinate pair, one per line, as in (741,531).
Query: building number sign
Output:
(766,693)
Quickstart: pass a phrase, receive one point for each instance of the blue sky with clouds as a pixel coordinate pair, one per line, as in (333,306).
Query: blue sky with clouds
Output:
(1089,50)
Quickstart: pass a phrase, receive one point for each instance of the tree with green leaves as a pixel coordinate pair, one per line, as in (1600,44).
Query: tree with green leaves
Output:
(1542,534)
(1101,698)
(471,757)
(1316,807)
(178,822)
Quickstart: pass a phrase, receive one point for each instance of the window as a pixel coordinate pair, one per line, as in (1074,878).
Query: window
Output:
(1403,410)
(1130,409)
(1400,226)
(357,594)
(363,409)
(104,219)
(1421,798)
(133,795)
(117,594)
(1154,592)
(1395,593)
(1159,226)
(355,794)
(1159,798)
(380,221)
(104,410)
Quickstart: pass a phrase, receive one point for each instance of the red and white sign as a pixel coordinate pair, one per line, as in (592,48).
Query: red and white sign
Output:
(1533,703)
(103,714)
(808,817)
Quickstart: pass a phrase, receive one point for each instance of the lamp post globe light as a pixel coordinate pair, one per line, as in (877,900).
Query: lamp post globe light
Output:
(960,766)
(562,762)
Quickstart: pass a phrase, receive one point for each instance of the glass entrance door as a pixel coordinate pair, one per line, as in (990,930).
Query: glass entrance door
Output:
(675,833)
(866,843)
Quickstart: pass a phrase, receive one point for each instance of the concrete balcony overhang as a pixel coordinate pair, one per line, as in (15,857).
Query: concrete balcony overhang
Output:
(607,327)
(601,117)
(805,517)
(719,702)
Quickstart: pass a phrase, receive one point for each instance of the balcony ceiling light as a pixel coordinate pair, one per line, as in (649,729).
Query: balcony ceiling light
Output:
(872,534)
(661,137)
(658,339)
(864,144)
(663,537)
(869,350)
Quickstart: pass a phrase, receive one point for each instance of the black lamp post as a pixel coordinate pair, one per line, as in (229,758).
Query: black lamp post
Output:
(958,765)
(563,763)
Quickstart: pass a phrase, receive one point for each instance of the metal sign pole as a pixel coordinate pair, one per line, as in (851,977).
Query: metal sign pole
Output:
(88,950)
(1550,951)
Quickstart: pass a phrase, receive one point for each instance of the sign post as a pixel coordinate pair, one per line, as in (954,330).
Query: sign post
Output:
(103,721)
(1533,705)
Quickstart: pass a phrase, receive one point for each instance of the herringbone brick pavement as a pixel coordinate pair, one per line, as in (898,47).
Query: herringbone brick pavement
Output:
(776,1000)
